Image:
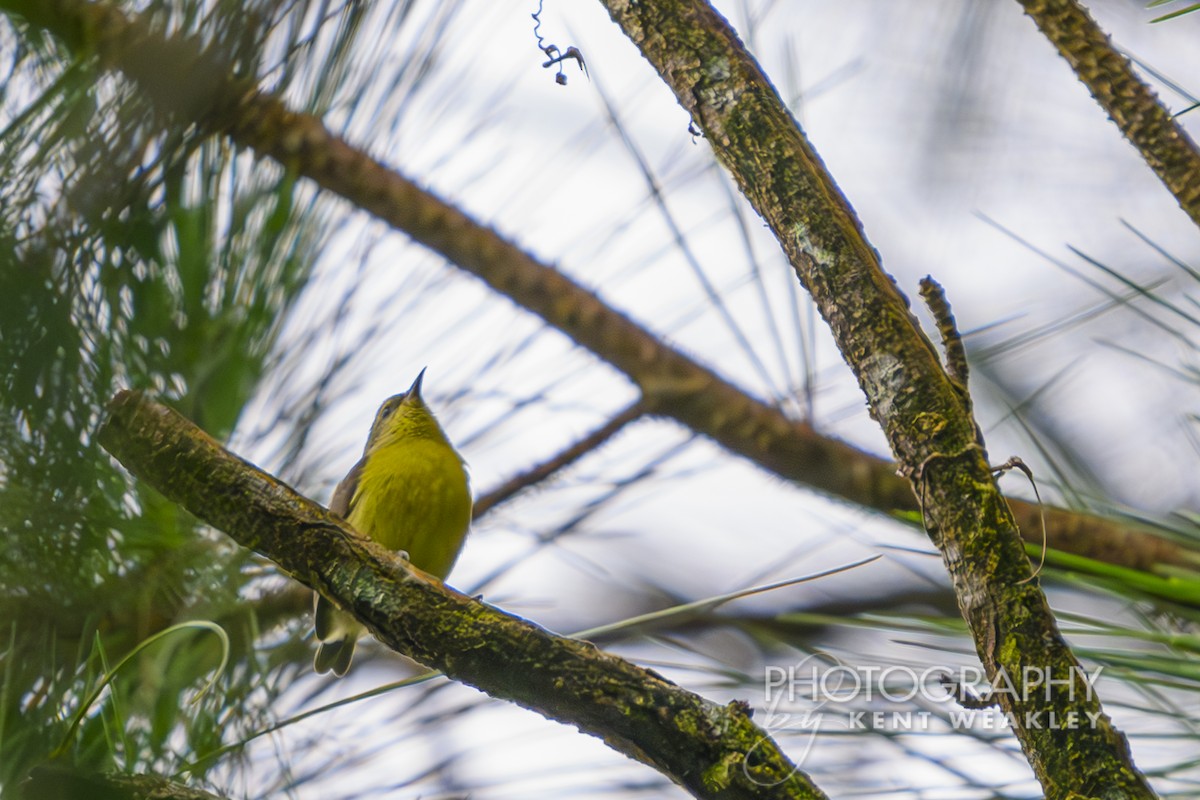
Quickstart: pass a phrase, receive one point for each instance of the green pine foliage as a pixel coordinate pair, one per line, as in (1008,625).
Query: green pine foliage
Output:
(130,258)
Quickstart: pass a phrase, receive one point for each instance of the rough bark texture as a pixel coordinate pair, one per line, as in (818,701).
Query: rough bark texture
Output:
(713,751)
(923,413)
(60,783)
(175,74)
(1130,103)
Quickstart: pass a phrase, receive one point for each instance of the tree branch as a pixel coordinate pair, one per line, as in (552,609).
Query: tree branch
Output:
(924,414)
(558,462)
(52,781)
(713,751)
(1164,145)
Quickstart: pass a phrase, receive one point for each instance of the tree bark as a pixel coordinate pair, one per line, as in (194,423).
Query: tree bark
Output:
(61,783)
(923,412)
(1162,142)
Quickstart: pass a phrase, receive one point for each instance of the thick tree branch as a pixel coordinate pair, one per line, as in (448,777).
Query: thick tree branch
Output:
(674,385)
(923,413)
(63,782)
(713,751)
(1129,102)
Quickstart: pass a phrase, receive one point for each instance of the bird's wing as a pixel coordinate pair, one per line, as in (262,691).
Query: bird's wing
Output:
(324,612)
(343,495)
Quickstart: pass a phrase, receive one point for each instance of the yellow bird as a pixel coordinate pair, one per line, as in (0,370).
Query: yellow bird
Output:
(409,492)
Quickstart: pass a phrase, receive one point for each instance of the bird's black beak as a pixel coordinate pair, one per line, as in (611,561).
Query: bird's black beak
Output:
(414,391)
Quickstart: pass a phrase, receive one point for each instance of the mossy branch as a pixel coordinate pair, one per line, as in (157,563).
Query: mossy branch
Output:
(1132,105)
(921,410)
(67,782)
(713,751)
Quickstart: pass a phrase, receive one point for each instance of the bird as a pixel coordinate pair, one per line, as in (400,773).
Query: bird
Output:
(409,492)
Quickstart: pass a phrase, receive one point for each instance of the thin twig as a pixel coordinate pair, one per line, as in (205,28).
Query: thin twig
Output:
(562,460)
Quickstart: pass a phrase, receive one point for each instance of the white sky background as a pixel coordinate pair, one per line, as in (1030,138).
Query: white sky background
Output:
(928,113)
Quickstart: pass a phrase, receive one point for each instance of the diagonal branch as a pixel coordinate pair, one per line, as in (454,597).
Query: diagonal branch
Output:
(674,385)
(923,412)
(713,751)
(559,461)
(1131,104)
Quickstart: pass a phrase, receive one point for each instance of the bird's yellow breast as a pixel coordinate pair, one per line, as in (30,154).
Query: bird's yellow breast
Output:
(413,495)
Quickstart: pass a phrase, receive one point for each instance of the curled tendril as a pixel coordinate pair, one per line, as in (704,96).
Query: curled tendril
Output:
(554,55)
